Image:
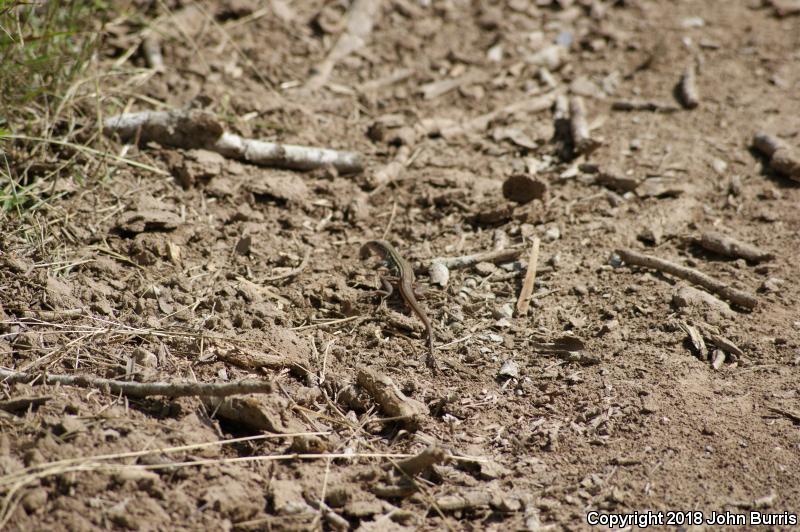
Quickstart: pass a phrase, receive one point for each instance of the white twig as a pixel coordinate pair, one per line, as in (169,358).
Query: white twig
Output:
(360,19)
(151,47)
(524,300)
(198,129)
(582,141)
(687,88)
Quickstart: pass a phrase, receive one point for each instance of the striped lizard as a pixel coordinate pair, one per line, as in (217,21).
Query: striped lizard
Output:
(405,284)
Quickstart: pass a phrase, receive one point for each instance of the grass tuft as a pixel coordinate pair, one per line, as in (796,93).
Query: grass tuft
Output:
(45,46)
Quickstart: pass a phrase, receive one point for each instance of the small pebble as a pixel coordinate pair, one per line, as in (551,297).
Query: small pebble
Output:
(495,53)
(505,311)
(693,22)
(552,234)
(145,358)
(772,285)
(485,268)
(509,370)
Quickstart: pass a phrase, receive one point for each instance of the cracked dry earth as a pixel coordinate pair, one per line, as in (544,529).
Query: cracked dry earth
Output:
(616,392)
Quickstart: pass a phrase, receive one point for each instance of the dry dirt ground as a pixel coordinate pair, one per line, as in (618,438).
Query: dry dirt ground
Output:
(208,269)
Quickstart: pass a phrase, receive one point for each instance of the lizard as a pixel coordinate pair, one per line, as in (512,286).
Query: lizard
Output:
(405,284)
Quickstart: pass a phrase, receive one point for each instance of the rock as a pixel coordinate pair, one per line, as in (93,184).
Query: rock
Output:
(147,220)
(688,297)
(552,234)
(34,500)
(233,499)
(69,425)
(287,497)
(523,188)
(145,358)
(59,295)
(509,370)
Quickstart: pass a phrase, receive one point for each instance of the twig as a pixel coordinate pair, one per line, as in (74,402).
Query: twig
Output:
(736,296)
(389,172)
(97,153)
(395,77)
(52,315)
(582,142)
(360,19)
(326,323)
(782,159)
(498,255)
(198,129)
(687,88)
(785,8)
(531,105)
(438,88)
(730,247)
(644,105)
(524,300)
(151,47)
(141,389)
(471,500)
(791,414)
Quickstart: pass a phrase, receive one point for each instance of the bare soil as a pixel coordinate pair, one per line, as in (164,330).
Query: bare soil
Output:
(217,270)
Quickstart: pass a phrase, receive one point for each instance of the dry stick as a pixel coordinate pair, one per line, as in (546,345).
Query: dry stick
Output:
(389,172)
(499,255)
(524,300)
(531,105)
(730,247)
(738,297)
(644,105)
(785,8)
(395,77)
(687,88)
(198,129)
(141,389)
(151,46)
(579,127)
(360,19)
(438,88)
(782,159)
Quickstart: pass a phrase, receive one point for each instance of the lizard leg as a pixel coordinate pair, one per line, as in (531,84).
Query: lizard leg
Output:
(387,291)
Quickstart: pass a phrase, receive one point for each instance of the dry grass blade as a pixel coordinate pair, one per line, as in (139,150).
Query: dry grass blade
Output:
(92,151)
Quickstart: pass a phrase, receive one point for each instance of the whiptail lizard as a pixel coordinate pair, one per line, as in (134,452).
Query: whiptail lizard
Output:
(405,283)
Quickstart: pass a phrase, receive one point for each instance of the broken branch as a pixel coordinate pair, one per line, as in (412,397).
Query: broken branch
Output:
(782,159)
(579,127)
(644,105)
(736,296)
(141,389)
(687,88)
(197,129)
(524,300)
(730,247)
(360,19)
